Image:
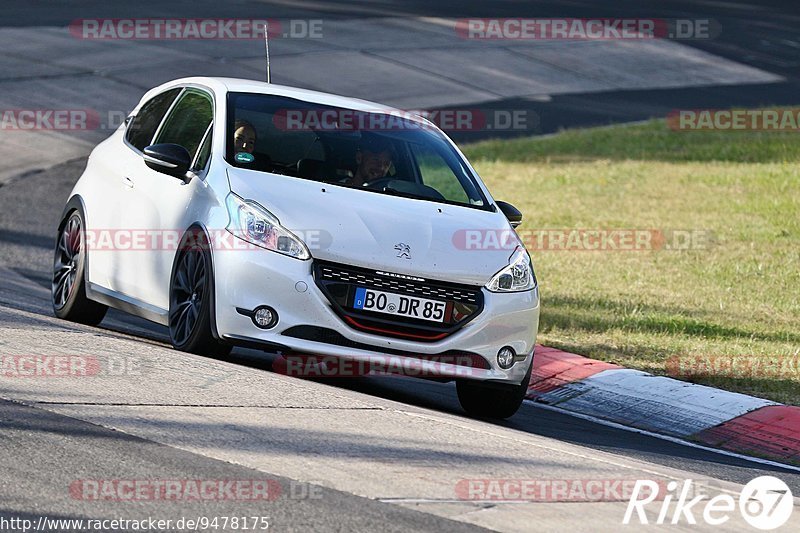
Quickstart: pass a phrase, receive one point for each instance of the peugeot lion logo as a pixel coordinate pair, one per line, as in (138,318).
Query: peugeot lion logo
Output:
(403,250)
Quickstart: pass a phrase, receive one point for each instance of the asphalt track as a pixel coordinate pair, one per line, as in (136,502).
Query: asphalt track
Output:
(375,453)
(758,34)
(52,438)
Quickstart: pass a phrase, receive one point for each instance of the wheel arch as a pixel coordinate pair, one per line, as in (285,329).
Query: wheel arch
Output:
(76,203)
(201,227)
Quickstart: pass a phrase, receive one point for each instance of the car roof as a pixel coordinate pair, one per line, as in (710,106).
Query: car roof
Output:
(222,85)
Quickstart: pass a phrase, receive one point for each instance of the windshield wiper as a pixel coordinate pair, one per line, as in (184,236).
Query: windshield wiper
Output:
(397,192)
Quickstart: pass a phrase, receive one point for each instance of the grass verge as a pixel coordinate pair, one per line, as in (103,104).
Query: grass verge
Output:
(724,311)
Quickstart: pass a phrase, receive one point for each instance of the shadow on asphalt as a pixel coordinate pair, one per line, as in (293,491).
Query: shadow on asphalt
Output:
(531,418)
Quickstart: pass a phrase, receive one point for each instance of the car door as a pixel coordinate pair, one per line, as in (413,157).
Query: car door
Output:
(114,191)
(162,207)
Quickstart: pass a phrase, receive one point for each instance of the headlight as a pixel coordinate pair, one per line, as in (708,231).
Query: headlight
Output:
(517,276)
(254,224)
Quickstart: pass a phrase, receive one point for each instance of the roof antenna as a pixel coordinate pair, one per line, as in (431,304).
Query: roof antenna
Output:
(266,48)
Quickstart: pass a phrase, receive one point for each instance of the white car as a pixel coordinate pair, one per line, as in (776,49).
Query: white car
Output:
(237,212)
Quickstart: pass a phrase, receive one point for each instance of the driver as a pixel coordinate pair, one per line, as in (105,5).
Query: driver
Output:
(374,158)
(244,137)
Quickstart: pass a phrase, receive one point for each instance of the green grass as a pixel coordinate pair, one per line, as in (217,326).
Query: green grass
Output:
(737,297)
(649,141)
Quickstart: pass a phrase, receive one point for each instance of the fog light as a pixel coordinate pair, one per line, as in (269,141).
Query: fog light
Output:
(506,357)
(264,317)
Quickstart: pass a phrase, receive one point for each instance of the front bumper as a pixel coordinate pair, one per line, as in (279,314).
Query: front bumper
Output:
(248,279)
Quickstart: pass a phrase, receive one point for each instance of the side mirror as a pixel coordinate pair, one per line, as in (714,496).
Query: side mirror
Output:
(513,214)
(170,159)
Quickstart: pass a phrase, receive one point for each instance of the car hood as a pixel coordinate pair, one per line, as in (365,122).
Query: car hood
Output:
(372,230)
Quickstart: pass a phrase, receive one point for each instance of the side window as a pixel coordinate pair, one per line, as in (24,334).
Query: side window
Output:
(144,124)
(204,152)
(188,121)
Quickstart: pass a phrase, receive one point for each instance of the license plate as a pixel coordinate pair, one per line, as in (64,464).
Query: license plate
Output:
(400,305)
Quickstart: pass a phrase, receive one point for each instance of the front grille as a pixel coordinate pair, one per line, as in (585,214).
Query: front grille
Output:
(339,283)
(469,295)
(333,337)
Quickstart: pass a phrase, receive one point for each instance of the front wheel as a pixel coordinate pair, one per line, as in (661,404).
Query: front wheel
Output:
(492,400)
(68,288)
(190,303)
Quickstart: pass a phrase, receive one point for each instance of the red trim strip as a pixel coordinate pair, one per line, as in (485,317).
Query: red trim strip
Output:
(356,324)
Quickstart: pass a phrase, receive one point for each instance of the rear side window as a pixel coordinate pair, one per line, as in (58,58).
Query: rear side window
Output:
(144,124)
(188,121)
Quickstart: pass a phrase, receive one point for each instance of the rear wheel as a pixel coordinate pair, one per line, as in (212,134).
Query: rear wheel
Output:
(190,303)
(68,288)
(492,400)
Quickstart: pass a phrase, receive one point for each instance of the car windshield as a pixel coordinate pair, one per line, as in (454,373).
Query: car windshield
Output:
(382,152)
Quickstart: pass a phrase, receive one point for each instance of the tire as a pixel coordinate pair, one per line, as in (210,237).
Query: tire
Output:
(68,287)
(191,294)
(492,400)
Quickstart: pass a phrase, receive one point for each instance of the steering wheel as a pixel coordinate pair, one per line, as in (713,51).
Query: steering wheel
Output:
(379,183)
